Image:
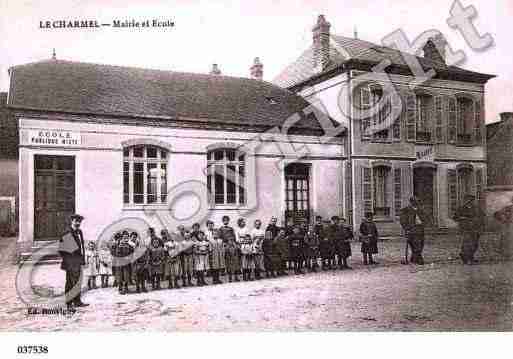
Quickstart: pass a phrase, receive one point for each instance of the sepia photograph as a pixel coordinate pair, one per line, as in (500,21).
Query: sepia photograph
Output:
(282,166)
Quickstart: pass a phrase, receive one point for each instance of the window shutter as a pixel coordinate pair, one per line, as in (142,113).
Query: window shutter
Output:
(451,120)
(365,104)
(411,116)
(367,191)
(452,191)
(396,111)
(397,191)
(439,133)
(479,184)
(478,137)
(349,193)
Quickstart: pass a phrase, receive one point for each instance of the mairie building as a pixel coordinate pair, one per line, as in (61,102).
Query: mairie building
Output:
(406,135)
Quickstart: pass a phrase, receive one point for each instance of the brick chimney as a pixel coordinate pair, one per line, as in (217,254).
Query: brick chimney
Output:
(506,116)
(215,70)
(434,49)
(257,70)
(321,42)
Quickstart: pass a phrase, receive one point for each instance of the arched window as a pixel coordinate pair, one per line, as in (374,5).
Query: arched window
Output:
(144,174)
(225,176)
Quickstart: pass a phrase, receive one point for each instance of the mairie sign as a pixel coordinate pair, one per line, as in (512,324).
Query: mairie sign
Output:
(54,138)
(424,153)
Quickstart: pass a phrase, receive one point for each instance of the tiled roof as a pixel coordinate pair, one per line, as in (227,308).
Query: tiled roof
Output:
(492,129)
(344,49)
(105,90)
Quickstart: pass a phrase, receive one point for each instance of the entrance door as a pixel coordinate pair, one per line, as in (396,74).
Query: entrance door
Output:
(424,190)
(297,193)
(54,195)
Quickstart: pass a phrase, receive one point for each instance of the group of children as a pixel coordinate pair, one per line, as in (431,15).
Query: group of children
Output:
(194,253)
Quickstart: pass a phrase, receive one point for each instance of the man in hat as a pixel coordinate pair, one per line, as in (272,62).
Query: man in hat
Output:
(470,219)
(413,221)
(505,217)
(72,251)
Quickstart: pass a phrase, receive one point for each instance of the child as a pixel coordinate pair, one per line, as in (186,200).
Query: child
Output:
(217,254)
(246,249)
(231,251)
(325,245)
(296,240)
(105,265)
(157,257)
(339,234)
(312,249)
(269,253)
(282,251)
(113,247)
(201,250)
(172,265)
(123,253)
(369,237)
(92,260)
(257,237)
(187,259)
(141,263)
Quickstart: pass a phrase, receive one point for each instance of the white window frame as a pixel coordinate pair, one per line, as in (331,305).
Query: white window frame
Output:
(145,160)
(225,162)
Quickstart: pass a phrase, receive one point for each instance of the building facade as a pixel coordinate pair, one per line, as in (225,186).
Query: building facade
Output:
(169,148)
(406,135)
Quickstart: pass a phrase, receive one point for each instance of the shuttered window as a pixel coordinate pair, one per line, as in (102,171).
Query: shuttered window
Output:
(397,191)
(367,189)
(452,117)
(411,116)
(478,137)
(396,112)
(452,191)
(365,104)
(439,126)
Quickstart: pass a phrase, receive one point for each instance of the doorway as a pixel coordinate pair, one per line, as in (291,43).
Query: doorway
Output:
(297,193)
(54,195)
(424,188)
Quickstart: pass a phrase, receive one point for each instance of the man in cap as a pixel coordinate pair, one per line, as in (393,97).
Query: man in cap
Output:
(72,251)
(470,219)
(413,220)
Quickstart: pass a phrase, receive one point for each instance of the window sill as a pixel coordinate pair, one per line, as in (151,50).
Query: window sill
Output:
(141,207)
(227,207)
(466,145)
(383,219)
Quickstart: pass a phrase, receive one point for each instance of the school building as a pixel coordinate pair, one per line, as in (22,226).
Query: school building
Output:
(113,142)
(427,140)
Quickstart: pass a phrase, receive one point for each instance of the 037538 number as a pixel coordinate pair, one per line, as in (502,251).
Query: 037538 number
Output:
(32,349)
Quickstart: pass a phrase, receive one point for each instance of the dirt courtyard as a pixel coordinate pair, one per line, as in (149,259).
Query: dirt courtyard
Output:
(442,295)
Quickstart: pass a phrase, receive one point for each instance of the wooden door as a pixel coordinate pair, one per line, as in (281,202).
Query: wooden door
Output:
(54,195)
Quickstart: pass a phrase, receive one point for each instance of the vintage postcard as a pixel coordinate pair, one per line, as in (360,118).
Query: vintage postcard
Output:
(272,166)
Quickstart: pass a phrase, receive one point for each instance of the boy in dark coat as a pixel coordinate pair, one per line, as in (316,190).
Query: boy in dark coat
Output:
(369,238)
(123,253)
(267,248)
(470,220)
(311,249)
(326,245)
(296,241)
(340,236)
(282,251)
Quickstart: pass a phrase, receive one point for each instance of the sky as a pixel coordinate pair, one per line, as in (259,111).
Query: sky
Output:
(233,33)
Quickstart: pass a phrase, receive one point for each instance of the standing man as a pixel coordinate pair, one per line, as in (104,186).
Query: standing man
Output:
(470,219)
(72,251)
(505,217)
(413,221)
